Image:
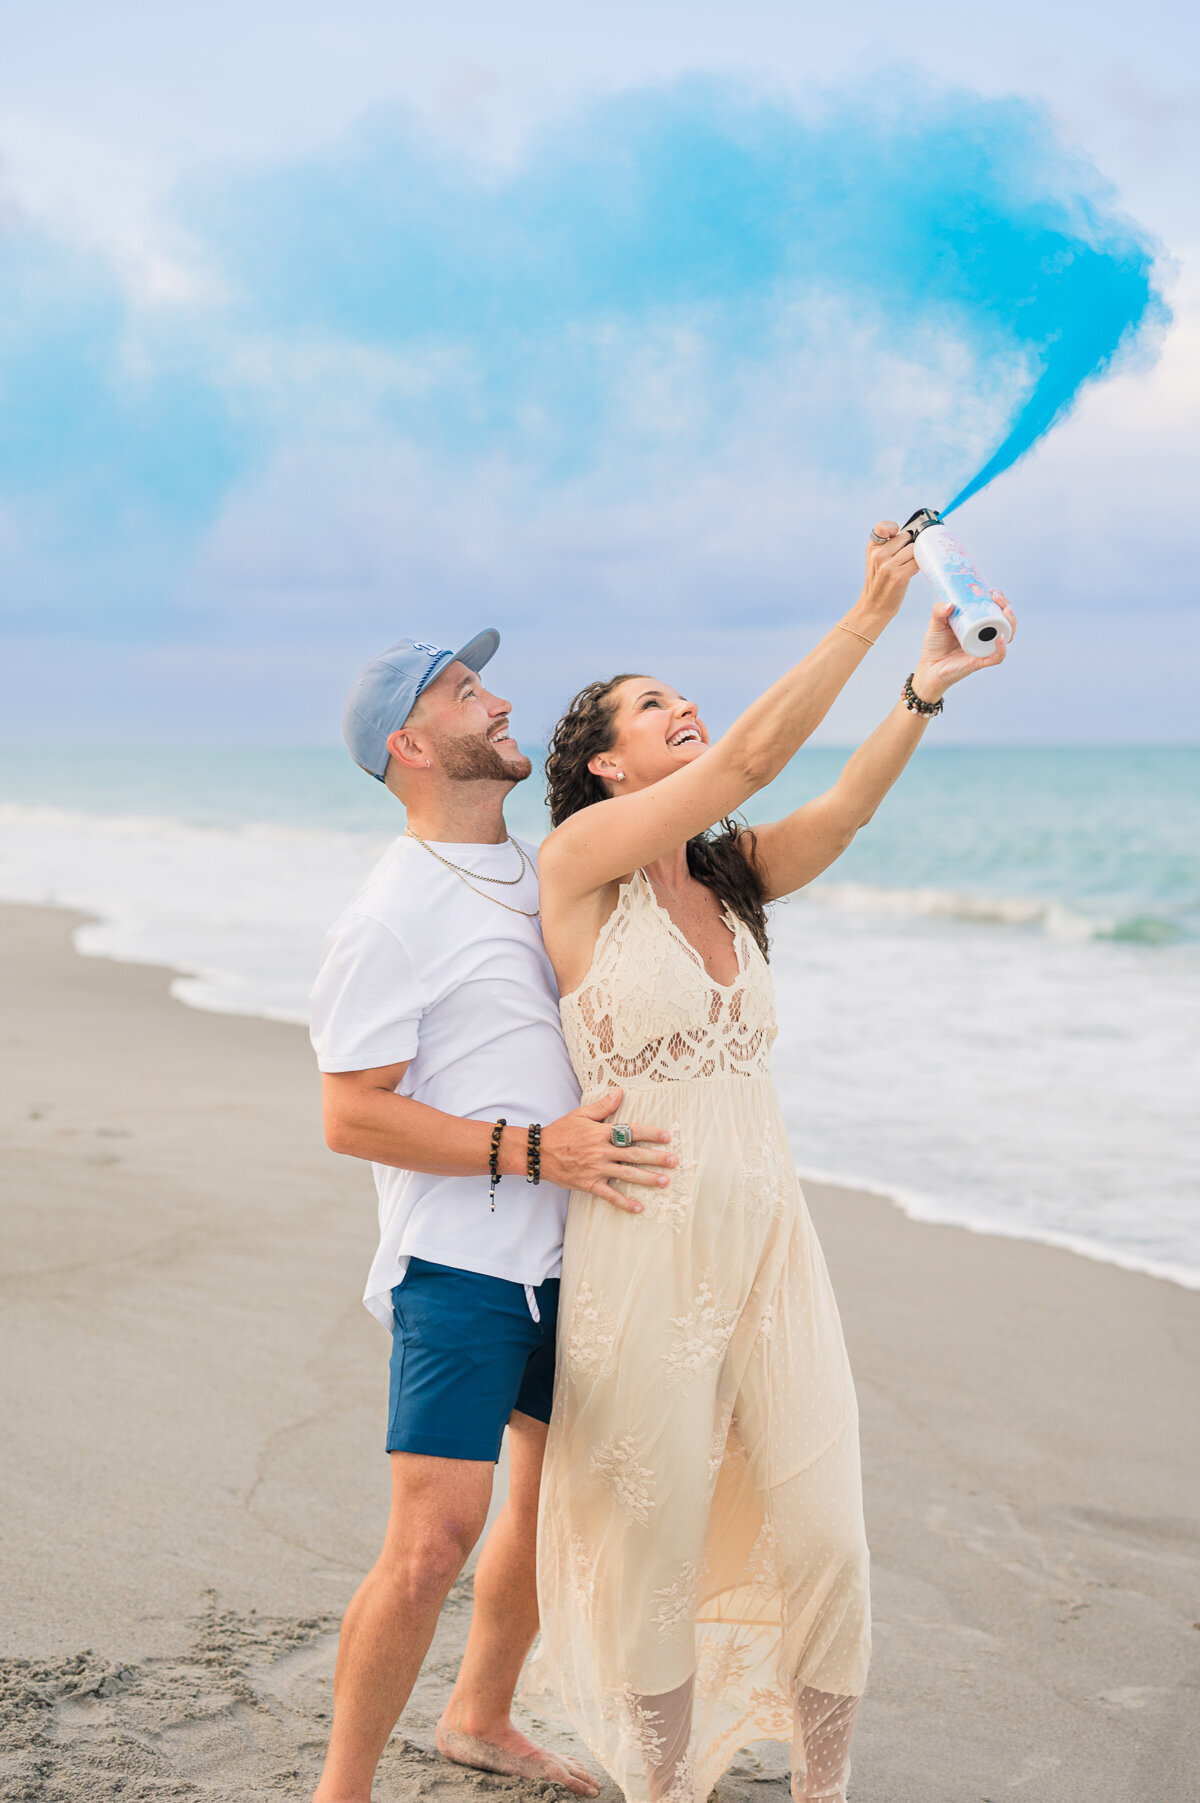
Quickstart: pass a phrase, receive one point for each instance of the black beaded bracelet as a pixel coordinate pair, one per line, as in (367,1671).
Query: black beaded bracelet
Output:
(533,1154)
(913,702)
(493,1161)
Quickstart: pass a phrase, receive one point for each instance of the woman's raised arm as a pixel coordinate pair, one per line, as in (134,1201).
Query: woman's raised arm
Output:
(789,853)
(614,837)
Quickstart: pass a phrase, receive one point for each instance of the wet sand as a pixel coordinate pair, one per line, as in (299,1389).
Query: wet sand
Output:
(192,1479)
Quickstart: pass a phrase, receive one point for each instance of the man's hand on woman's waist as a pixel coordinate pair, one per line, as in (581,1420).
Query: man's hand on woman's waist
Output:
(365,1118)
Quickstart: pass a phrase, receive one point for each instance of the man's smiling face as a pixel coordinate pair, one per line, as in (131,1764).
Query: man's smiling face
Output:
(468,729)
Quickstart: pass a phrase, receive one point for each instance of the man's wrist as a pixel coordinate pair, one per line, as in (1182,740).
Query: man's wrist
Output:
(513,1146)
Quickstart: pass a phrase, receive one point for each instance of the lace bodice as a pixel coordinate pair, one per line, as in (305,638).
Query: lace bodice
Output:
(648,1011)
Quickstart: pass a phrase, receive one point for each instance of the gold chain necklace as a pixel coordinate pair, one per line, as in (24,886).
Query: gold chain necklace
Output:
(465,876)
(507,881)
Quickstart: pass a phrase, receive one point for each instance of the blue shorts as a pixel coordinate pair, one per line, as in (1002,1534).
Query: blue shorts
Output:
(466,1352)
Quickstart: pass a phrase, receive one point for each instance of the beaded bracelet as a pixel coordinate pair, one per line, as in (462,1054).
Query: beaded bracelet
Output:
(913,702)
(533,1154)
(493,1161)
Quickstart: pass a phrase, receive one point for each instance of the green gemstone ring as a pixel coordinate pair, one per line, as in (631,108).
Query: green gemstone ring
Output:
(622,1136)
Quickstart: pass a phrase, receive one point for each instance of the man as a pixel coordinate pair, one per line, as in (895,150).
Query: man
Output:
(435,1021)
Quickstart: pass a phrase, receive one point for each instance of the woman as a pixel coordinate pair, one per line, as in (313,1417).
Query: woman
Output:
(702,1562)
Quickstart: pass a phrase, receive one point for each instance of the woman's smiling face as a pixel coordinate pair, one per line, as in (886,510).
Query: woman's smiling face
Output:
(655,730)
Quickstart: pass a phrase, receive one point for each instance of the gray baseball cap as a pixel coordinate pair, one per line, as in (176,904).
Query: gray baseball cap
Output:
(384,694)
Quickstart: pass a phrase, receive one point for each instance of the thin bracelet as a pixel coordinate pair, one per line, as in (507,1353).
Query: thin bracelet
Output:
(493,1165)
(842,627)
(533,1154)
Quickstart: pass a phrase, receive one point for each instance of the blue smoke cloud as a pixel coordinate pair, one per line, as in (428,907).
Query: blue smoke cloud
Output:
(737,219)
(682,279)
(83,393)
(117,446)
(1077,288)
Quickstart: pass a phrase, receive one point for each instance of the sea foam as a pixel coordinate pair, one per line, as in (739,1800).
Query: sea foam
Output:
(1053,918)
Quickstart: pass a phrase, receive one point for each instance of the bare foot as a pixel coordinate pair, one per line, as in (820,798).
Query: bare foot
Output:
(516,1757)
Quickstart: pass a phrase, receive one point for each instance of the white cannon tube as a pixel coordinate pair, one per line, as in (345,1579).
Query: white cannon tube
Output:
(977,623)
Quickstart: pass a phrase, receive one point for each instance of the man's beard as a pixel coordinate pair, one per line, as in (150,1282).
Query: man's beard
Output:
(477,761)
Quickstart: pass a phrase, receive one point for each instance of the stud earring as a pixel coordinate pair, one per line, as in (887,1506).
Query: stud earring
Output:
(620,776)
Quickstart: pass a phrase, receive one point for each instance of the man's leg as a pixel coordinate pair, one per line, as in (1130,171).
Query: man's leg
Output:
(438,1510)
(476,1728)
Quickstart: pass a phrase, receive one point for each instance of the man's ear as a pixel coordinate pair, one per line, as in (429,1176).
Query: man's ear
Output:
(407,749)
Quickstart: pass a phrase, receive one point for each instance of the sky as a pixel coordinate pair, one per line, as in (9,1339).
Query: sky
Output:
(613,327)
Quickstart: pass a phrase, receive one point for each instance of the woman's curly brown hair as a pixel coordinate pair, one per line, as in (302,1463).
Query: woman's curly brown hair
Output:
(714,858)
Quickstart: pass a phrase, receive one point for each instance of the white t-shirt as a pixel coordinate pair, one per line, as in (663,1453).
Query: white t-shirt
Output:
(421,968)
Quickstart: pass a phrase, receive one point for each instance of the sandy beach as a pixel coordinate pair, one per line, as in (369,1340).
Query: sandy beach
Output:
(193,1477)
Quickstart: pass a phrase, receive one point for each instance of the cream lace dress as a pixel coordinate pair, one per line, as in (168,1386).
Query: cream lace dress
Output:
(702,1565)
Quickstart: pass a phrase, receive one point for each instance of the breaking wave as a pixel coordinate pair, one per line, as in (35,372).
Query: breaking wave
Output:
(1053,918)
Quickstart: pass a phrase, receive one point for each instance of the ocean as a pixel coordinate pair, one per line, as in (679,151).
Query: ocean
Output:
(989,1009)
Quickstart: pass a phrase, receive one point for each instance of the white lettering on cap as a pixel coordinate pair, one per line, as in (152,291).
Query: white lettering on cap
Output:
(429,650)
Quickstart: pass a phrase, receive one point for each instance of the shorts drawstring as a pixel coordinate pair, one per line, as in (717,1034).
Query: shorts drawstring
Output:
(531,1299)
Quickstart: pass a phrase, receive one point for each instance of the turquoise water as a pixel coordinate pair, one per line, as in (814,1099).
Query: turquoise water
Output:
(1113,836)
